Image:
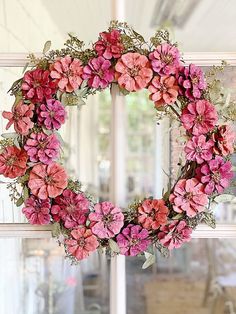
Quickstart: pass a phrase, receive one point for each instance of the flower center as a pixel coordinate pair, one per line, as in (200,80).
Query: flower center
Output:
(11,161)
(199,118)
(195,80)
(189,195)
(216,177)
(42,144)
(167,58)
(51,114)
(81,242)
(107,219)
(49,180)
(198,149)
(70,208)
(163,88)
(134,71)
(36,84)
(134,242)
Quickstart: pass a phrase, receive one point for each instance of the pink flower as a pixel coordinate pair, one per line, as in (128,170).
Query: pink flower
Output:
(37,85)
(47,181)
(67,73)
(188,196)
(165,59)
(42,147)
(109,45)
(224,139)
(191,81)
(37,211)
(106,220)
(52,114)
(98,72)
(71,208)
(175,234)
(215,175)
(133,71)
(133,240)
(198,149)
(163,90)
(152,214)
(13,162)
(199,117)
(81,243)
(21,117)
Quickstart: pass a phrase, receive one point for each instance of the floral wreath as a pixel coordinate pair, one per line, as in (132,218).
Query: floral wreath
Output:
(65,77)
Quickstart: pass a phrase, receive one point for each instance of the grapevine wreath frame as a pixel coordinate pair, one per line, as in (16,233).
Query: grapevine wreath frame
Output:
(31,156)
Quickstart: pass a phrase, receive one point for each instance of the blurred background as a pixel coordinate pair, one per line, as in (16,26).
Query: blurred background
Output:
(200,277)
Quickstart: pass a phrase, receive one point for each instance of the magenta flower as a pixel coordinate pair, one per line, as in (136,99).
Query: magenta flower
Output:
(224,139)
(52,114)
(70,208)
(109,45)
(175,234)
(165,59)
(198,149)
(37,211)
(199,117)
(98,72)
(191,81)
(188,196)
(42,147)
(215,175)
(37,85)
(106,220)
(133,240)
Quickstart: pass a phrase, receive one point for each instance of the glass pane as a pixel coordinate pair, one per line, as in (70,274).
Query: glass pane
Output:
(36,279)
(199,278)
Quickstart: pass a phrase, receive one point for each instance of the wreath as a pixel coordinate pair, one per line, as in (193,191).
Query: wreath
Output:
(31,156)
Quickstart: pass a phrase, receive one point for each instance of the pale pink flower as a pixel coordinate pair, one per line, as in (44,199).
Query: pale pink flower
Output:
(224,139)
(47,180)
(215,175)
(109,45)
(188,196)
(42,147)
(191,81)
(37,211)
(52,114)
(133,240)
(13,162)
(133,71)
(165,59)
(71,208)
(199,117)
(164,90)
(37,85)
(199,149)
(81,243)
(67,73)
(20,117)
(106,220)
(99,73)
(175,234)
(152,213)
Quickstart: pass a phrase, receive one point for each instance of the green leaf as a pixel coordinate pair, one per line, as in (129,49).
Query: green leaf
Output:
(25,67)
(20,201)
(16,143)
(25,193)
(56,230)
(224,198)
(209,219)
(9,135)
(14,84)
(150,260)
(47,46)
(114,246)
(178,216)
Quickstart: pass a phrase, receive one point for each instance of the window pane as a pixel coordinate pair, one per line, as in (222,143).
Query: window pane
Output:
(36,279)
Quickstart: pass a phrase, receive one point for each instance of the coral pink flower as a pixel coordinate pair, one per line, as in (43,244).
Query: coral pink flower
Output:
(163,90)
(52,114)
(21,117)
(13,162)
(37,85)
(224,140)
(175,234)
(198,149)
(67,73)
(42,147)
(37,211)
(188,196)
(133,71)
(133,240)
(152,214)
(98,72)
(199,117)
(165,59)
(215,175)
(81,243)
(109,45)
(191,81)
(47,181)
(71,208)
(106,220)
